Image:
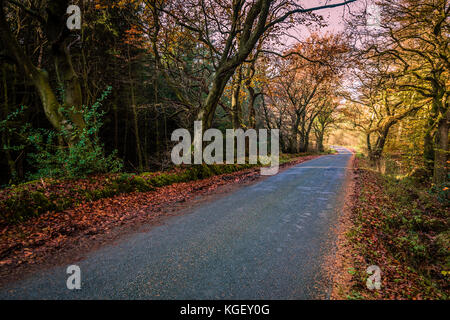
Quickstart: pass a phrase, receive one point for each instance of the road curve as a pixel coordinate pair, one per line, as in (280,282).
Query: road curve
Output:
(264,241)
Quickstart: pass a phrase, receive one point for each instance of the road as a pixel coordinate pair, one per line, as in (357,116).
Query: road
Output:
(263,241)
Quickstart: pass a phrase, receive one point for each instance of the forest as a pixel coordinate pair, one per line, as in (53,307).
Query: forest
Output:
(137,70)
(88,113)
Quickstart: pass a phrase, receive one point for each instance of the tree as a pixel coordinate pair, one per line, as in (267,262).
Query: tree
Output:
(303,82)
(414,36)
(378,105)
(62,115)
(327,119)
(230,32)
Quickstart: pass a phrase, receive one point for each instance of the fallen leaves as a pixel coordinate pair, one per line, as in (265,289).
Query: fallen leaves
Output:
(32,241)
(378,235)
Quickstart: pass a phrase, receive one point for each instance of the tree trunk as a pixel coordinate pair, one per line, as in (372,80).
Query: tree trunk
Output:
(251,110)
(206,114)
(252,95)
(319,138)
(236,108)
(67,76)
(441,150)
(304,140)
(136,125)
(253,28)
(40,78)
(5,134)
(293,141)
(375,158)
(376,152)
(428,152)
(303,144)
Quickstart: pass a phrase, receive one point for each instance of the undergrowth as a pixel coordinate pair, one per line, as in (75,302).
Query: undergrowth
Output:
(402,226)
(18,203)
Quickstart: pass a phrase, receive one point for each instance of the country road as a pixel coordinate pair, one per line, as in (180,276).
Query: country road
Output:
(263,241)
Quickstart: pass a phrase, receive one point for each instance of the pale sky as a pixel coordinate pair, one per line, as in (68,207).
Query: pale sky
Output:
(333,17)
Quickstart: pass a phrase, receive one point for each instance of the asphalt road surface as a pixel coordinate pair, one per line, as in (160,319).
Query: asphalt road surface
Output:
(264,241)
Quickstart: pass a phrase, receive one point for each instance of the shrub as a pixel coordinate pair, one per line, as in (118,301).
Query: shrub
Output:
(84,157)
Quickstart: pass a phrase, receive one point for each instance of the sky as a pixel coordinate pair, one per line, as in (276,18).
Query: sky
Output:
(334,17)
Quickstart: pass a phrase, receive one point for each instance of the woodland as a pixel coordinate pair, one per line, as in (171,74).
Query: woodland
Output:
(87,114)
(107,97)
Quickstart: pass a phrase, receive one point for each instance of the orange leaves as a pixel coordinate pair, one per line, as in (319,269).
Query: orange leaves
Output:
(135,37)
(33,240)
